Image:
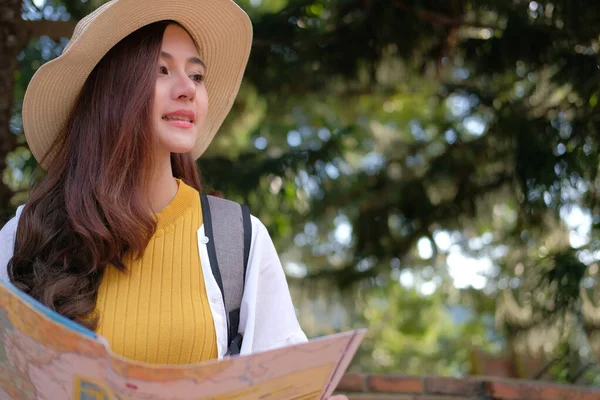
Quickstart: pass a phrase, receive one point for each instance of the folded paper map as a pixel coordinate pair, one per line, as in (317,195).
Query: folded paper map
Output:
(44,356)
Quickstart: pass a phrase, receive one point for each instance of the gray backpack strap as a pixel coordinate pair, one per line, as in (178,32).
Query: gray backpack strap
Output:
(229,231)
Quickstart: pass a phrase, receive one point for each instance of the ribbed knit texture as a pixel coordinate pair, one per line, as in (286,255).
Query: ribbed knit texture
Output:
(158,312)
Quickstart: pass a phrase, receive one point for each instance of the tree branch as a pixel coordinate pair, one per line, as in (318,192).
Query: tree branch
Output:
(439,19)
(539,375)
(582,371)
(31,3)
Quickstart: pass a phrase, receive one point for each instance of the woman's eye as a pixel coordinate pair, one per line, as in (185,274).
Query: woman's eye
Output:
(198,77)
(163,70)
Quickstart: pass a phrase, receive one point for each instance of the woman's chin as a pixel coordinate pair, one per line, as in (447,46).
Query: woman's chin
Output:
(181,149)
(178,148)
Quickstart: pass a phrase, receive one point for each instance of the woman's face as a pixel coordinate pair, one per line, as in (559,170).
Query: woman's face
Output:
(180,97)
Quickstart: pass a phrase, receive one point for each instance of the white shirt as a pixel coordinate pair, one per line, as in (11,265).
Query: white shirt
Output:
(267,316)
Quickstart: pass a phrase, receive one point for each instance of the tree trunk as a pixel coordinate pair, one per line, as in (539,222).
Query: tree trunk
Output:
(10,44)
(15,33)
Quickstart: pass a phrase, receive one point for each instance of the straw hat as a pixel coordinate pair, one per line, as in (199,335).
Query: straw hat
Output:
(220,28)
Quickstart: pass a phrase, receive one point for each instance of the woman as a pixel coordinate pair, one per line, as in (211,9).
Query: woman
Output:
(112,237)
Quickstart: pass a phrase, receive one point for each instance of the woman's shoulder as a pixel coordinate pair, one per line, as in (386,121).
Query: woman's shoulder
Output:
(263,254)
(7,242)
(260,233)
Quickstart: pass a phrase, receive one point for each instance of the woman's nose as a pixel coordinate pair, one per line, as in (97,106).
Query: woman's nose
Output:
(184,88)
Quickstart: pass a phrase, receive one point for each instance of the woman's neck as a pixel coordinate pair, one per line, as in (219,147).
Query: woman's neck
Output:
(163,186)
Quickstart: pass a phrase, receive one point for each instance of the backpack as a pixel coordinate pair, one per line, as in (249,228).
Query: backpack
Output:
(229,231)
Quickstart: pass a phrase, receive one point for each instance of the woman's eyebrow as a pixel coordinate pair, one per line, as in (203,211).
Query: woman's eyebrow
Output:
(192,60)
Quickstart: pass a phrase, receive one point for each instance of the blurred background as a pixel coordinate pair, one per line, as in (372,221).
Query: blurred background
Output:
(428,169)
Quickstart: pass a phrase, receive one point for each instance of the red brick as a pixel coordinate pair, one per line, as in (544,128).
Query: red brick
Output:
(510,390)
(563,392)
(590,394)
(353,383)
(528,390)
(506,390)
(454,386)
(395,384)
(403,387)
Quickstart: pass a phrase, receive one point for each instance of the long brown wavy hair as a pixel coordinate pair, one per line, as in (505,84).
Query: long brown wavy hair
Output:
(91,208)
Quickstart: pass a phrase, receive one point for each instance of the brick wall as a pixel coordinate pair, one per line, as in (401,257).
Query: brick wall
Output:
(399,387)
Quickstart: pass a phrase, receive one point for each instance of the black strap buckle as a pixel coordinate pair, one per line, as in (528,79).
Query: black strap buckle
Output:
(235,346)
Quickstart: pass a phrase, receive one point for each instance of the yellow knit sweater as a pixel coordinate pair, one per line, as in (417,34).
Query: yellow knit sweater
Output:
(158,312)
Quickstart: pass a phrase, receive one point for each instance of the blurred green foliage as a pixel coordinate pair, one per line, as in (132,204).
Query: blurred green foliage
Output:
(396,147)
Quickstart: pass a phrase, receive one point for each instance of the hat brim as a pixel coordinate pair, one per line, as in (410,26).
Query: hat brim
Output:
(220,28)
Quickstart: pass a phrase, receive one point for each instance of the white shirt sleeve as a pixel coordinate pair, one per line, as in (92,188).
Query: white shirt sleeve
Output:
(7,243)
(267,316)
